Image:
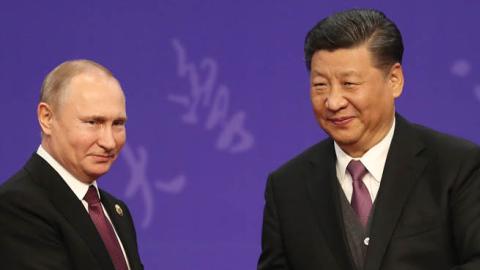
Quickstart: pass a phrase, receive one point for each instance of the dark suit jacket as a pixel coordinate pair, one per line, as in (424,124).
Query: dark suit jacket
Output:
(427,213)
(43,225)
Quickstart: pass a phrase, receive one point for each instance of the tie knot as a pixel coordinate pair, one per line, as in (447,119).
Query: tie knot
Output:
(92,196)
(356,170)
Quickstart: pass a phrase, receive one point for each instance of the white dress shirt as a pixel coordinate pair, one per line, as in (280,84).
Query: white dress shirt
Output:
(374,160)
(78,187)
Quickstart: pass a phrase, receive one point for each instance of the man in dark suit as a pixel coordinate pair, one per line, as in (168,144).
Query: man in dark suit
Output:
(380,192)
(52,216)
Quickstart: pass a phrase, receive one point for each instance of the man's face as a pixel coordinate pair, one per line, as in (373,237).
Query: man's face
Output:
(353,101)
(88,127)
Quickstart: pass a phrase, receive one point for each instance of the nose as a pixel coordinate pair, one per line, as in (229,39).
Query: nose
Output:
(335,100)
(106,138)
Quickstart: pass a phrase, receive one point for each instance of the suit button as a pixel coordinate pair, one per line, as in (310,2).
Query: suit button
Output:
(366,241)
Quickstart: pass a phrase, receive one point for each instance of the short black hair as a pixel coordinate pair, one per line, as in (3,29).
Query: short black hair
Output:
(355,27)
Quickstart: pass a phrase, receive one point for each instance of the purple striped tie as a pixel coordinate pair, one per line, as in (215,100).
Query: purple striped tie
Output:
(361,200)
(105,229)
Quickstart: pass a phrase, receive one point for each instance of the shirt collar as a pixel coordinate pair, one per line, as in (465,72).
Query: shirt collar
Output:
(78,187)
(374,159)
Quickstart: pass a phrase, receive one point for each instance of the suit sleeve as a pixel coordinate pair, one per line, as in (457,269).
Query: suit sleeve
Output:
(465,209)
(27,240)
(273,255)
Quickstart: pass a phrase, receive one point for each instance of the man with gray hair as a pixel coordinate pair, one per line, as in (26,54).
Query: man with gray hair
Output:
(52,214)
(380,193)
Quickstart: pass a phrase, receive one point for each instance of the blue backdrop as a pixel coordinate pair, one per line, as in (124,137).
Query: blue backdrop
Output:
(217,96)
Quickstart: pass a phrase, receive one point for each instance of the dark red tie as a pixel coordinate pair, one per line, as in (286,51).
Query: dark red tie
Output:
(105,229)
(361,200)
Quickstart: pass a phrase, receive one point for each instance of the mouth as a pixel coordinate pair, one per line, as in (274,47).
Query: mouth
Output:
(104,157)
(340,121)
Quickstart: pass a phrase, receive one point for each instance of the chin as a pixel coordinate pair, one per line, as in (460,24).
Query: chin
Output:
(343,139)
(98,172)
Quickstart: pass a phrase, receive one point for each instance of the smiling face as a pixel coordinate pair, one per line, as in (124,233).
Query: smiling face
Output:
(353,100)
(86,131)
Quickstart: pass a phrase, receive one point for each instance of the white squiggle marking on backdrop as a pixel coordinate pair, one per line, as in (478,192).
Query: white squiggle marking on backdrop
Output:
(462,68)
(476,91)
(138,183)
(233,136)
(175,186)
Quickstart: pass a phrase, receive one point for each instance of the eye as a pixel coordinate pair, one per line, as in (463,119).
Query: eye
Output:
(91,122)
(320,86)
(95,121)
(350,84)
(119,123)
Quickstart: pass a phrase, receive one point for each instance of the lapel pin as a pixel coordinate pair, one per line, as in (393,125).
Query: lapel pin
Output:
(119,210)
(366,241)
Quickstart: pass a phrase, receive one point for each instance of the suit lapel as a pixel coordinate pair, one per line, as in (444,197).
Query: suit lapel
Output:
(323,187)
(65,201)
(402,168)
(121,221)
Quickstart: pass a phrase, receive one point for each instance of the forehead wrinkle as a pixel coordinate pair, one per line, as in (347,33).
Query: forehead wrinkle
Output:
(337,74)
(349,72)
(79,98)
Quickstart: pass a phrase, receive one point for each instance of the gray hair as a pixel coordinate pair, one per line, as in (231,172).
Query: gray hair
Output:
(56,81)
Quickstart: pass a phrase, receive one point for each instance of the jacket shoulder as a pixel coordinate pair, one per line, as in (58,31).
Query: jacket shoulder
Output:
(21,186)
(310,155)
(443,142)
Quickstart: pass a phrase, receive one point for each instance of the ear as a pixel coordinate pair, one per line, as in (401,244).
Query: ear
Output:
(395,80)
(45,117)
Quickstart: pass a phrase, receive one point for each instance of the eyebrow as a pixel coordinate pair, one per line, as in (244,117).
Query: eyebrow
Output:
(349,73)
(315,72)
(342,74)
(103,118)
